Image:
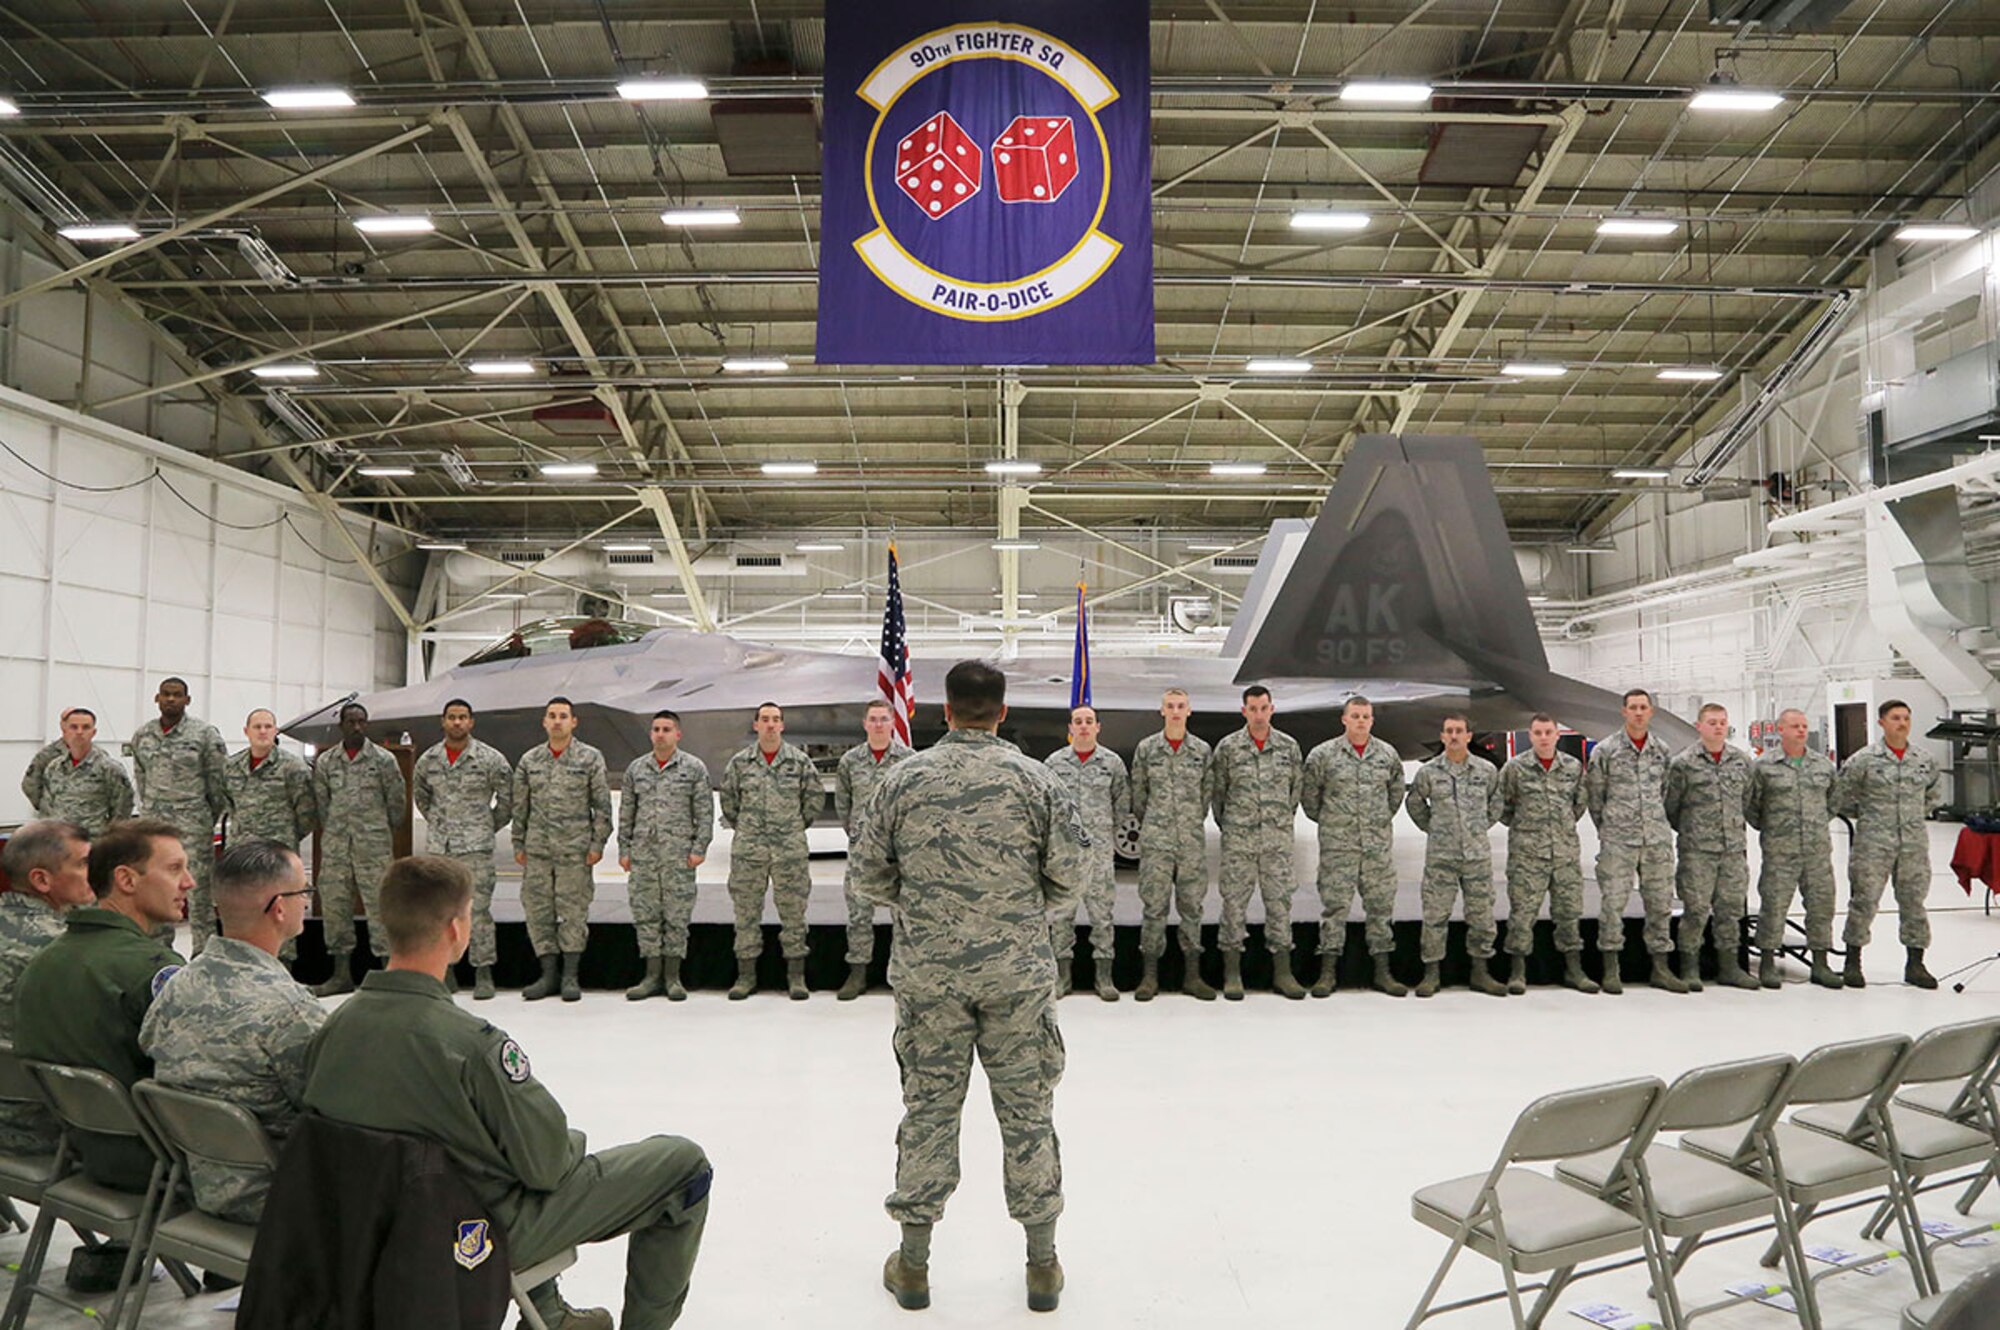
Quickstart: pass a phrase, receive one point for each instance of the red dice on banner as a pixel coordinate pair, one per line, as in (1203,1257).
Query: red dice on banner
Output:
(938,166)
(1034,159)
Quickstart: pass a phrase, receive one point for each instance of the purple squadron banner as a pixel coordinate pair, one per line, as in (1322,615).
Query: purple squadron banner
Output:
(987,196)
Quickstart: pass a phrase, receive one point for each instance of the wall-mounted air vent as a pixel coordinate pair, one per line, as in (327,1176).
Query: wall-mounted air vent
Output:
(760,561)
(521,558)
(1244,561)
(630,558)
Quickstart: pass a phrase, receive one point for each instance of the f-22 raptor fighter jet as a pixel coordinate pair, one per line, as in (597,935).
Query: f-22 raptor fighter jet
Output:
(1403,590)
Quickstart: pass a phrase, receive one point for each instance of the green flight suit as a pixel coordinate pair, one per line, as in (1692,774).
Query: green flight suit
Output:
(80,1002)
(401,1056)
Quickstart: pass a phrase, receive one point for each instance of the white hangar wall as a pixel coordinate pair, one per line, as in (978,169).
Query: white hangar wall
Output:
(110,581)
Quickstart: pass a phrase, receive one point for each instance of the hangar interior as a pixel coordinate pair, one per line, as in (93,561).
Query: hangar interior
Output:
(302,403)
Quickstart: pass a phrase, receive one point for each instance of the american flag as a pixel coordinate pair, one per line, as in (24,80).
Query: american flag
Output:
(892,672)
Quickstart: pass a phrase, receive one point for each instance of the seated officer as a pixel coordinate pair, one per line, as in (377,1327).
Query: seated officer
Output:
(401,1057)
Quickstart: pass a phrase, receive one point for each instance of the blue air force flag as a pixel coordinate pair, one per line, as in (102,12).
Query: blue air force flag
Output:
(987,190)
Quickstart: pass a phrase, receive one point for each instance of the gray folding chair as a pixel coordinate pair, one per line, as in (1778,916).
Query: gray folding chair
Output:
(1688,1198)
(524,1282)
(85,1100)
(1969,1102)
(1930,1151)
(1808,1168)
(214,1131)
(1973,1305)
(1528,1223)
(22,1177)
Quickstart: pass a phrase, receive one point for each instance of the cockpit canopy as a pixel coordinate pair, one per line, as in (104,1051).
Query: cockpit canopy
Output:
(548,637)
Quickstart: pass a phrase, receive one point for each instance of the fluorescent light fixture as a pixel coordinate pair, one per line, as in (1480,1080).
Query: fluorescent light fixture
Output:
(663,90)
(285,369)
(506,595)
(1529,369)
(701,217)
(670,595)
(1278,366)
(754,365)
(385,472)
(502,369)
(1330,221)
(818,546)
(1724,97)
(1538,600)
(1936,231)
(1386,93)
(1013,468)
(1237,468)
(1689,374)
(844,595)
(395,224)
(790,468)
(308,99)
(439,545)
(622,547)
(1590,549)
(1208,549)
(8,107)
(1637,226)
(1016,546)
(99,231)
(1018,595)
(1641,473)
(566,470)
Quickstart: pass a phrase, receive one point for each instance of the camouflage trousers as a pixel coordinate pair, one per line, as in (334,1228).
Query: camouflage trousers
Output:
(788,874)
(1342,874)
(1257,863)
(1175,872)
(1445,880)
(1780,878)
(344,876)
(661,893)
(1872,867)
(481,950)
(1617,866)
(1559,881)
(555,896)
(860,927)
(1716,884)
(1100,890)
(1020,1049)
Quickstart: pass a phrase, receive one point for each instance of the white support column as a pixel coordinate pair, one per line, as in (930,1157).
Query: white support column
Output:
(1013,498)
(655,499)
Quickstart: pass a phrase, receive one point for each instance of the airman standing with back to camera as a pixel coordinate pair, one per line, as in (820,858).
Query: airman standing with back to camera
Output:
(771,793)
(1541,799)
(1708,797)
(1888,789)
(464,787)
(1258,774)
(562,817)
(1353,787)
(1455,800)
(1096,778)
(666,817)
(1172,780)
(861,769)
(1626,787)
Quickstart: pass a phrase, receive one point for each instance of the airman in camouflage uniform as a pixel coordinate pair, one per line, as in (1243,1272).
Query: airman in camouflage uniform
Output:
(1625,786)
(1707,798)
(562,818)
(73,780)
(1096,778)
(465,790)
(1455,800)
(48,866)
(1171,781)
(270,796)
(973,846)
(861,769)
(1352,787)
(1888,789)
(1541,798)
(771,793)
(362,801)
(1258,774)
(233,1025)
(181,767)
(666,817)
(1790,790)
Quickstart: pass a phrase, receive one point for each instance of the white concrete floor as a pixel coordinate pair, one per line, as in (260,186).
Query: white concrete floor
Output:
(1225,1164)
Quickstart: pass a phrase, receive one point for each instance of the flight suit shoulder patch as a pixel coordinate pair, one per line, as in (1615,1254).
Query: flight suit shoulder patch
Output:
(160,978)
(513,1062)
